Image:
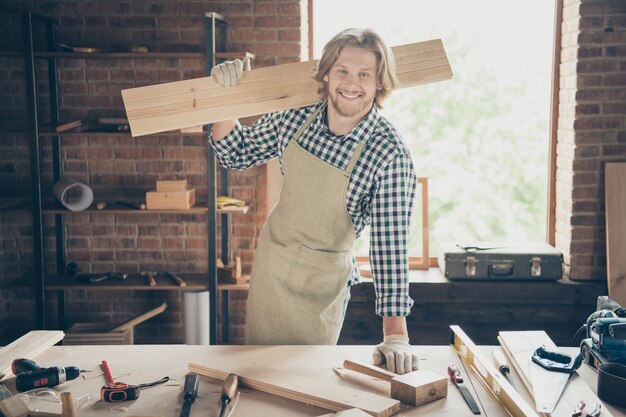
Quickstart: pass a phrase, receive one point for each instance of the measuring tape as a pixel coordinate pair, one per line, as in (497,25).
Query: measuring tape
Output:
(118,391)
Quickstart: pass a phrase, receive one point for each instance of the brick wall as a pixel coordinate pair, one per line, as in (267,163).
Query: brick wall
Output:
(591,129)
(123,168)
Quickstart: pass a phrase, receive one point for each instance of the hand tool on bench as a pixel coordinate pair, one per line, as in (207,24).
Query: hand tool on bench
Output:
(502,365)
(414,388)
(550,372)
(190,392)
(228,392)
(457,379)
(119,391)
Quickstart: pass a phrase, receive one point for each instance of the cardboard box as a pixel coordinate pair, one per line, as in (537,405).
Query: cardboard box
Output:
(170,186)
(108,334)
(178,200)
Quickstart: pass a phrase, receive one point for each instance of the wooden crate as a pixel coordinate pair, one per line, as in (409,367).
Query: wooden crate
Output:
(97,334)
(175,200)
(168,186)
(106,333)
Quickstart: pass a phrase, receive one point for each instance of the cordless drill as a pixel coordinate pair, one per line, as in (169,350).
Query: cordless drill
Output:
(31,376)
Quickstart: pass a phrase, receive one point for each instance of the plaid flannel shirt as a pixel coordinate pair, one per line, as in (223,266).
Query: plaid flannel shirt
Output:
(380,190)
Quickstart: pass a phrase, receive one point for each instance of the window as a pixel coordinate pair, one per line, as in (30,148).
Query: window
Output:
(482,138)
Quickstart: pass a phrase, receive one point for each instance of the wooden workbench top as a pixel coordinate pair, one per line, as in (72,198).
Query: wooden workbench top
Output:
(136,364)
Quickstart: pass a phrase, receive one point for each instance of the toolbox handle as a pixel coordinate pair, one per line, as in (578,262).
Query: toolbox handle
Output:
(501,270)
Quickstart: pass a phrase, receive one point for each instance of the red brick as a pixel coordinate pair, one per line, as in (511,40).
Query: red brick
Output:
(276,22)
(290,9)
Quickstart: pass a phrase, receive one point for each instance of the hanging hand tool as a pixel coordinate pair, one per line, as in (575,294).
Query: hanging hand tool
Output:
(550,372)
(150,275)
(457,379)
(31,376)
(177,279)
(502,365)
(190,392)
(228,392)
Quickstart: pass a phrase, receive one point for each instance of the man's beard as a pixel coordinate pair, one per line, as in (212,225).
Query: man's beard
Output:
(343,109)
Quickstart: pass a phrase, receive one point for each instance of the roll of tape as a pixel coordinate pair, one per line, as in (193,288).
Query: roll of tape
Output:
(74,195)
(612,383)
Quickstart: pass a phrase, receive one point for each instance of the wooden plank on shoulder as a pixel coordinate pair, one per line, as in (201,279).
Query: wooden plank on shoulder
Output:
(199,101)
(306,390)
(615,196)
(28,346)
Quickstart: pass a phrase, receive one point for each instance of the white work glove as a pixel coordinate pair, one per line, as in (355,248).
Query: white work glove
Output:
(398,354)
(228,73)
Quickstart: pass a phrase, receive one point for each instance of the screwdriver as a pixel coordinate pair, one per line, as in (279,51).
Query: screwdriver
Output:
(501,363)
(228,392)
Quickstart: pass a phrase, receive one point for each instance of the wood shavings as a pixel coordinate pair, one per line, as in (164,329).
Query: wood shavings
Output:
(120,409)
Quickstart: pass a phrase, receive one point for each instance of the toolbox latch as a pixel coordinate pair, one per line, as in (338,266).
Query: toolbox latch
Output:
(535,266)
(470,266)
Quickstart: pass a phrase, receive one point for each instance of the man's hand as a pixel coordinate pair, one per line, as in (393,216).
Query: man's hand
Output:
(229,73)
(398,354)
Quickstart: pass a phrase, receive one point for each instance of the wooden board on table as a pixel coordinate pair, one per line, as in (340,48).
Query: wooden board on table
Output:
(180,104)
(28,346)
(519,347)
(615,203)
(307,390)
(353,412)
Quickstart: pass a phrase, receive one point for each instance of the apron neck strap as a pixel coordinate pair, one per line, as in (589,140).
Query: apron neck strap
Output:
(306,124)
(355,158)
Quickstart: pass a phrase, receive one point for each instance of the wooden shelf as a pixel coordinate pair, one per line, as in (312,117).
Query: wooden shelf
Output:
(195,282)
(139,55)
(82,133)
(115,208)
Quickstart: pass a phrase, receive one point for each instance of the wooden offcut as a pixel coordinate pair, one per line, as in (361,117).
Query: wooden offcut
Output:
(180,104)
(28,346)
(303,389)
(414,388)
(615,196)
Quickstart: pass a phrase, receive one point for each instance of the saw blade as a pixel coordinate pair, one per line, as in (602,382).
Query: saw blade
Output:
(547,387)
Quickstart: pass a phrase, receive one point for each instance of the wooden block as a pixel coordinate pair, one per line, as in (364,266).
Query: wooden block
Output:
(28,346)
(62,127)
(300,388)
(176,200)
(199,101)
(615,196)
(170,186)
(414,388)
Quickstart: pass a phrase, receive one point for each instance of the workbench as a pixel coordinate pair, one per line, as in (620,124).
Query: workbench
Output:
(136,364)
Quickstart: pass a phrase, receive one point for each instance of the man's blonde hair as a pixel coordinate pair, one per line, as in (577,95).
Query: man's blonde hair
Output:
(366,39)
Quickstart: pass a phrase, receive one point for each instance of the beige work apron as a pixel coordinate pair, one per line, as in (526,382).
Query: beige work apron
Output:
(303,259)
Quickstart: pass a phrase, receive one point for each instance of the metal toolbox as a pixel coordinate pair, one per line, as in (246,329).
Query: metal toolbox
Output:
(501,261)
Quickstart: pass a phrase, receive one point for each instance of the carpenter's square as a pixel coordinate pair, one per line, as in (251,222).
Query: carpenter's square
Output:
(550,372)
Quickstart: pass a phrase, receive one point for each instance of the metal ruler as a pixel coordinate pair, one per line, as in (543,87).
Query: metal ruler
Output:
(493,381)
